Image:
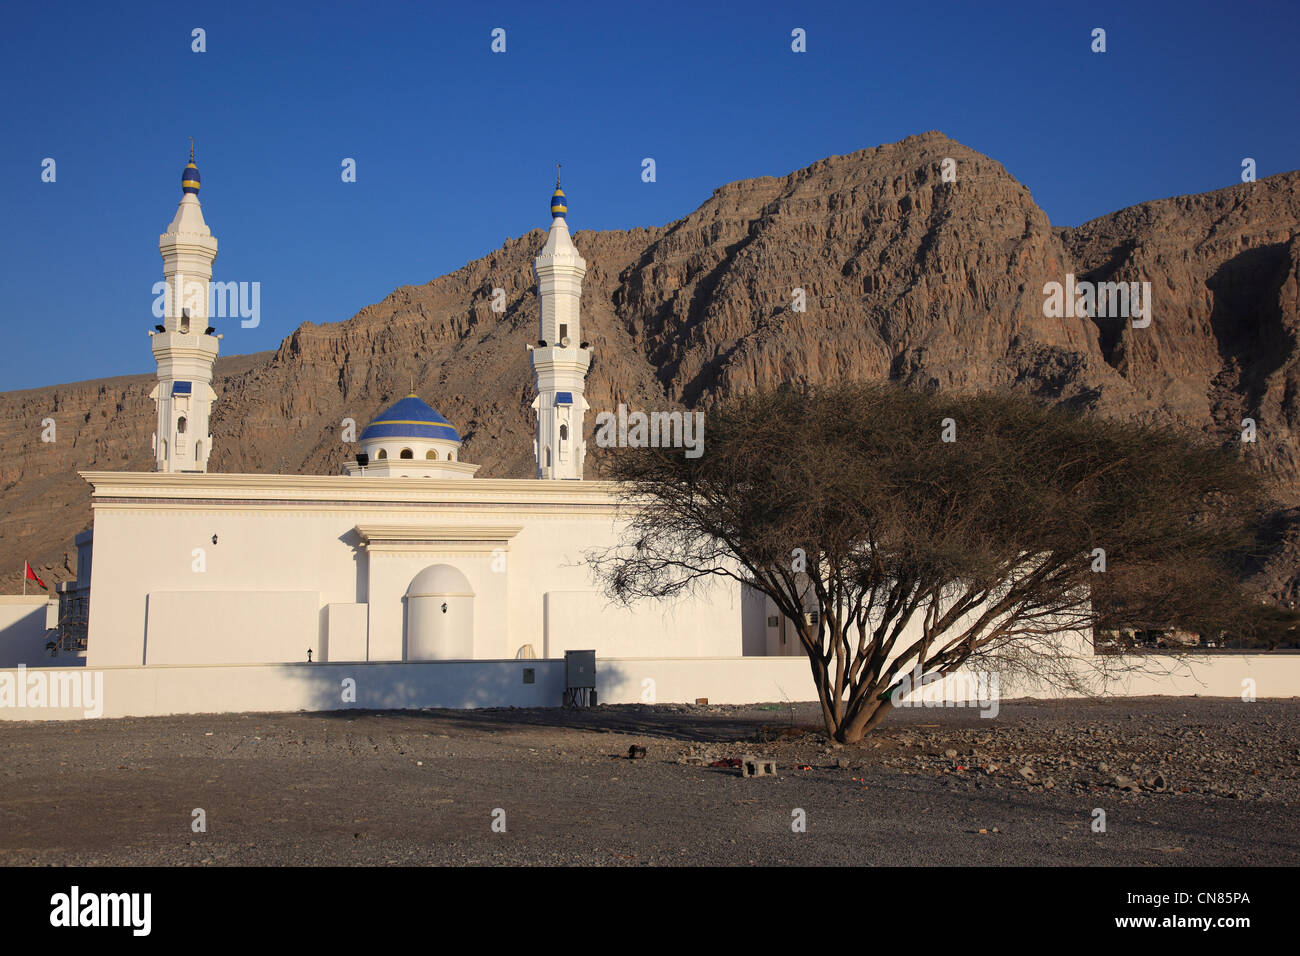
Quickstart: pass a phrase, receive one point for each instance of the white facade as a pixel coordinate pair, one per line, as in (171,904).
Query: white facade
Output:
(358,568)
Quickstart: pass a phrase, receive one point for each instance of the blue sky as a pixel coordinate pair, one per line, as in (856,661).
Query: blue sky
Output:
(455,145)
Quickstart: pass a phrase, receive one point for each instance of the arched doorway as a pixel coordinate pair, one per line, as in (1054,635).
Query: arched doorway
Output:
(439,615)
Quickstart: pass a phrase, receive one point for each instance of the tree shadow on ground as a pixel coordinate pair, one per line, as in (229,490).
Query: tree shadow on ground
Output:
(662,721)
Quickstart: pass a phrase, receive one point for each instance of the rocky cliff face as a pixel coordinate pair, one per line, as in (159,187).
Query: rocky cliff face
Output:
(903,276)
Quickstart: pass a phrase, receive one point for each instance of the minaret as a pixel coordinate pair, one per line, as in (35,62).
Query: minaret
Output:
(560,359)
(186,348)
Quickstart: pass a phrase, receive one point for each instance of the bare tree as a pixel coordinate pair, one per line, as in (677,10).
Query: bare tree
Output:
(930,531)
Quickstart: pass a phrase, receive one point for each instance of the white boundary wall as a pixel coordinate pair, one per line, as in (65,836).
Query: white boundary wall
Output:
(158,690)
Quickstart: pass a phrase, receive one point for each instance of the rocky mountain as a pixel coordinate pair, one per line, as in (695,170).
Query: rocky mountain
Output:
(904,276)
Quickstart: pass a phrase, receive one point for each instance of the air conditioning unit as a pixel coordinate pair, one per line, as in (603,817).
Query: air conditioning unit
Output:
(810,617)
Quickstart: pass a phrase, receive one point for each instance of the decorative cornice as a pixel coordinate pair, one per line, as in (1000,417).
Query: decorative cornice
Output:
(378,535)
(346,491)
(241,508)
(377,467)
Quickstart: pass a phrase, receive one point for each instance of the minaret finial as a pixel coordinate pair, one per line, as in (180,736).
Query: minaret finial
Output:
(559,206)
(190,175)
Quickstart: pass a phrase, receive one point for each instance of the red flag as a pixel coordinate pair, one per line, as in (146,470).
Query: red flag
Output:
(31,575)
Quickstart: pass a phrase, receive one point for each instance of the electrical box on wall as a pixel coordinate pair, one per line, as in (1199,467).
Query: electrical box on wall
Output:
(579,669)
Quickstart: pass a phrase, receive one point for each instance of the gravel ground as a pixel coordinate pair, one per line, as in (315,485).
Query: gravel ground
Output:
(1181,781)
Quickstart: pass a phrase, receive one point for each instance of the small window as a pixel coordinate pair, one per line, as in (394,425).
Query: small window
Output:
(564,332)
(548,458)
(406,453)
(451,456)
(431,455)
(383,453)
(564,432)
(180,425)
(185,320)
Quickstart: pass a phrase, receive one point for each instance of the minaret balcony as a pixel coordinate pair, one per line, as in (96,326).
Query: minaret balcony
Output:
(194,345)
(556,356)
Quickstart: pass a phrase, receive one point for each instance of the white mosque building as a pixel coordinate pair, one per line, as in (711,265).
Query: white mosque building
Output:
(407,556)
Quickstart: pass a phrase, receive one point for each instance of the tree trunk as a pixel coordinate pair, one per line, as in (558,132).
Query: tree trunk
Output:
(822,680)
(863,722)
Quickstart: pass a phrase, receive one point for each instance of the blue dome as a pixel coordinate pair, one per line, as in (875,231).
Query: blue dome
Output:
(190,178)
(410,418)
